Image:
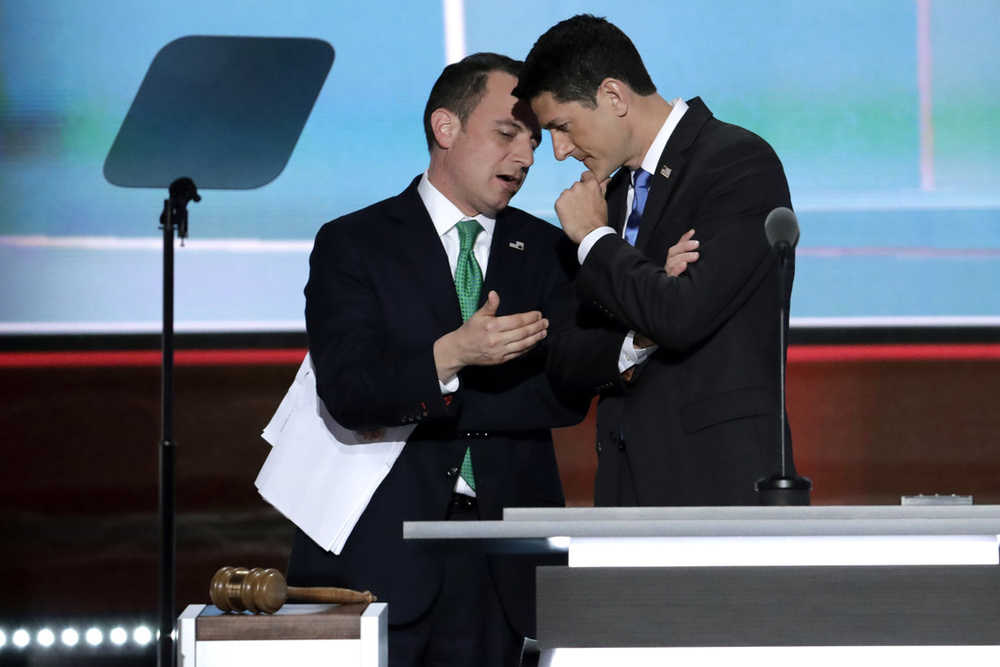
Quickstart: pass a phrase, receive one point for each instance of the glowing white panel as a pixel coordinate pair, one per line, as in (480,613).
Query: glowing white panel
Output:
(267,653)
(778,551)
(768,656)
(454,30)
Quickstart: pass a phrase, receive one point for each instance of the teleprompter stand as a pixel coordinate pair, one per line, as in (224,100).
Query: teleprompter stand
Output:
(222,113)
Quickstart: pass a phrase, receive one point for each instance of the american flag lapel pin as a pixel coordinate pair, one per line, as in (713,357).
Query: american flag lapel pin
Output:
(516,245)
(665,171)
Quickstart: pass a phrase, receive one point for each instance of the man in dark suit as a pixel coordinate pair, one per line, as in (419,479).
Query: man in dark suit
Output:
(431,308)
(688,416)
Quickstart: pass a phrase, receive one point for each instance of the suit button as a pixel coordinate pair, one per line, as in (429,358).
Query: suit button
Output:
(598,446)
(452,472)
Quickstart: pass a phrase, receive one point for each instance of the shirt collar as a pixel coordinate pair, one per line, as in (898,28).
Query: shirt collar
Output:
(652,158)
(444,214)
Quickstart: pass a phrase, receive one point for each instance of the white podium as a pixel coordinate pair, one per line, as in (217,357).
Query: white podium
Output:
(918,584)
(304,635)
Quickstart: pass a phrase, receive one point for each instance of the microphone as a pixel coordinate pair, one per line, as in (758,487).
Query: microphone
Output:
(782,231)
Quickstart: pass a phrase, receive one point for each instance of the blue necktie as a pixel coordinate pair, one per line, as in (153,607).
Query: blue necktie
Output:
(641,187)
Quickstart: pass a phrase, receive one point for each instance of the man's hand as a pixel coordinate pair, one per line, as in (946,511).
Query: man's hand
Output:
(681,254)
(487,340)
(582,208)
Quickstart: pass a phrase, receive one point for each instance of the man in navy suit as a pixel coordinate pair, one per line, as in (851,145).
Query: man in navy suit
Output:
(432,308)
(693,420)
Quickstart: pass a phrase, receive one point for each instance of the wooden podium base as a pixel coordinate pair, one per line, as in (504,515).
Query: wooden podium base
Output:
(299,634)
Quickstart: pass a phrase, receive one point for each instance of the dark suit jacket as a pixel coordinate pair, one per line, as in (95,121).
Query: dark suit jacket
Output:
(380,292)
(697,425)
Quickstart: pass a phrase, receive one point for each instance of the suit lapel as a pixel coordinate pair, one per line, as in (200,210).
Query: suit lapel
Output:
(670,168)
(421,248)
(508,252)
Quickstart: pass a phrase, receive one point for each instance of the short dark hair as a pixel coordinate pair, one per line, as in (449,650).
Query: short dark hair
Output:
(462,84)
(572,58)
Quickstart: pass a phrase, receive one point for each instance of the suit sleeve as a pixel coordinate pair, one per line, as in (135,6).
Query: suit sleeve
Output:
(364,378)
(744,183)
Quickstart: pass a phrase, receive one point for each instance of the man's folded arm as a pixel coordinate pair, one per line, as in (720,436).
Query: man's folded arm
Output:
(677,312)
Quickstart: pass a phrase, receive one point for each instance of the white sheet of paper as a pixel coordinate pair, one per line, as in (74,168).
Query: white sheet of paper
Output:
(319,474)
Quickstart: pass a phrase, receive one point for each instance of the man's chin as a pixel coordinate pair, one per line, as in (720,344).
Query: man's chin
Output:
(599,170)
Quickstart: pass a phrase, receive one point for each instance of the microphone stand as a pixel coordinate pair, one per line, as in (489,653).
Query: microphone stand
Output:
(174,214)
(783,488)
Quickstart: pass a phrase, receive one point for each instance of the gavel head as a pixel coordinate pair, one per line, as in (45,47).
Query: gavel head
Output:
(257,590)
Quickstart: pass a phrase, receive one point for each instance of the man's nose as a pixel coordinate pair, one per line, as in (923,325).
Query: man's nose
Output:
(523,153)
(562,147)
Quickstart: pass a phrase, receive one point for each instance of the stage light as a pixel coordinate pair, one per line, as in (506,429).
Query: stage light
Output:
(21,638)
(142,635)
(94,637)
(118,636)
(70,637)
(3,639)
(46,637)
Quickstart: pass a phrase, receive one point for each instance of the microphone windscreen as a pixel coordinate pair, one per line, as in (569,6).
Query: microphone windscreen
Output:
(781,226)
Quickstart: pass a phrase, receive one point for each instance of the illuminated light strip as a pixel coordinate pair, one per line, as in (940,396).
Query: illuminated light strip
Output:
(43,640)
(298,326)
(249,246)
(454,30)
(156,244)
(924,88)
(236,357)
(897,251)
(900,321)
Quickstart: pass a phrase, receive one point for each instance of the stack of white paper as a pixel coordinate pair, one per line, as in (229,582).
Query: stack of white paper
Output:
(319,474)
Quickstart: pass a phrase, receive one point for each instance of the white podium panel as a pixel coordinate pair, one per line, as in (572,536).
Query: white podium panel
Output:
(769,656)
(823,585)
(777,551)
(304,635)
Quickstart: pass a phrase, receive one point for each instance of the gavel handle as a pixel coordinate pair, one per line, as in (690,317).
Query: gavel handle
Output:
(328,595)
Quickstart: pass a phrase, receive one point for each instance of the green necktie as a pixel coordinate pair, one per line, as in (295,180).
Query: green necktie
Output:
(468,284)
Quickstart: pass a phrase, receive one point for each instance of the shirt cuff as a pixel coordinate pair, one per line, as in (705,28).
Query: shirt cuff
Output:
(630,356)
(449,387)
(590,239)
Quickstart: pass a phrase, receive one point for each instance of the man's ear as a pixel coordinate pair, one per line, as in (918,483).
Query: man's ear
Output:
(616,94)
(446,126)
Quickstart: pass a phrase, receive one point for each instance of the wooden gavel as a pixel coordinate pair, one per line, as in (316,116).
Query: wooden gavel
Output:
(263,590)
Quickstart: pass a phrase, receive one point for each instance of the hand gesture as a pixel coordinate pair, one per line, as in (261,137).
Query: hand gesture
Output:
(487,340)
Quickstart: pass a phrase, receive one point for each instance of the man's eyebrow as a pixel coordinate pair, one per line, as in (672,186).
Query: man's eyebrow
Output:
(519,126)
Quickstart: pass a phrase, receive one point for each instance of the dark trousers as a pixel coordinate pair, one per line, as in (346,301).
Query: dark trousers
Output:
(465,625)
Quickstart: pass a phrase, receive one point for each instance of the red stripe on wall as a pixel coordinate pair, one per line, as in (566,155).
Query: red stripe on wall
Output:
(909,352)
(150,358)
(797,354)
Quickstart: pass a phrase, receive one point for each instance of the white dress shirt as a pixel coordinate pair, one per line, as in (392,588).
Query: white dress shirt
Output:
(446,216)
(630,356)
